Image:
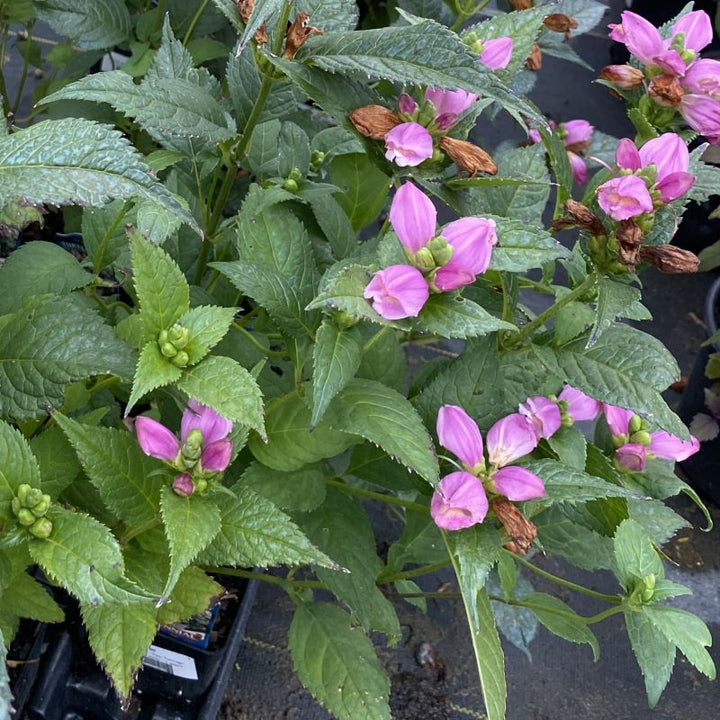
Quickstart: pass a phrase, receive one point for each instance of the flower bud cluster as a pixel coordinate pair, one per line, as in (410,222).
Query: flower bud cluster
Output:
(172,345)
(30,506)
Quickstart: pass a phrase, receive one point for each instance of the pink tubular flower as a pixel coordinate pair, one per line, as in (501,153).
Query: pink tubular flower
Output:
(702,114)
(413,217)
(696,28)
(183,485)
(542,414)
(408,144)
(575,135)
(449,105)
(472,240)
(461,500)
(703,77)
(624,197)
(496,53)
(577,131)
(631,456)
(406,104)
(579,405)
(156,440)
(397,292)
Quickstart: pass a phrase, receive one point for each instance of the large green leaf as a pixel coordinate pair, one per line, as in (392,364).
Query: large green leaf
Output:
(82,555)
(337,663)
(364,187)
(17,466)
(635,555)
(455,317)
(522,247)
(126,478)
(254,532)
(95,25)
(300,490)
(78,161)
(385,417)
(120,636)
(190,525)
(48,344)
(341,528)
(330,15)
(153,370)
(57,459)
(27,598)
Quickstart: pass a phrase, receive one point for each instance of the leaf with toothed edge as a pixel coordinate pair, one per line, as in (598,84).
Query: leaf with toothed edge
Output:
(19,466)
(153,371)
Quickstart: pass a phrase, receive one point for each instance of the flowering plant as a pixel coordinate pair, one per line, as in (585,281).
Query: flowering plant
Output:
(220,379)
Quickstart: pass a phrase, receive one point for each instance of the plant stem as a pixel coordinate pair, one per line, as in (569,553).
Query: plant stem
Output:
(194,22)
(24,72)
(561,581)
(3,86)
(543,317)
(416,572)
(130,533)
(159,14)
(370,495)
(376,337)
(264,350)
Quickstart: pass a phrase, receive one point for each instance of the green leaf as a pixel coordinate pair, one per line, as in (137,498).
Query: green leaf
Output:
(228,388)
(193,594)
(385,417)
(686,631)
(206,326)
(99,24)
(330,15)
(293,150)
(48,344)
(262,10)
(614,298)
(570,446)
(166,108)
(254,532)
(104,234)
(654,653)
(341,528)
(290,444)
(27,598)
(58,462)
(39,268)
(300,490)
(190,525)
(78,161)
(155,222)
(161,287)
(126,478)
(18,466)
(635,555)
(420,543)
(364,187)
(473,552)
(370,463)
(335,225)
(452,316)
(522,247)
(571,320)
(153,371)
(553,614)
(337,663)
(336,359)
(82,555)
(120,636)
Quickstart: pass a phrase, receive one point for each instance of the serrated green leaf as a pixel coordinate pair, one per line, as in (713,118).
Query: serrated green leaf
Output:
(155,222)
(120,636)
(336,358)
(293,149)
(47,345)
(190,525)
(300,490)
(38,268)
(27,598)
(337,663)
(456,317)
(341,528)
(262,11)
(82,555)
(290,444)
(153,371)
(614,298)
(420,543)
(370,463)
(554,614)
(126,478)
(330,15)
(206,326)
(654,653)
(161,287)
(228,388)
(570,446)
(521,247)
(93,25)
(104,234)
(57,460)
(254,532)
(659,521)
(385,417)
(78,161)
(384,360)
(364,187)
(192,595)
(18,466)
(335,225)
(635,555)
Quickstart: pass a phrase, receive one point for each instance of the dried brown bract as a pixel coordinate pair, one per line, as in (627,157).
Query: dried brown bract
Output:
(298,33)
(517,526)
(557,22)
(468,157)
(522,4)
(245,9)
(626,77)
(374,121)
(629,237)
(666,90)
(670,259)
(534,59)
(580,216)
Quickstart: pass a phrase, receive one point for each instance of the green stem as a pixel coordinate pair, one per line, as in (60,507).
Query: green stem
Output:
(370,495)
(159,14)
(376,337)
(3,86)
(561,581)
(194,21)
(24,72)
(542,318)
(264,350)
(130,533)
(466,14)
(416,572)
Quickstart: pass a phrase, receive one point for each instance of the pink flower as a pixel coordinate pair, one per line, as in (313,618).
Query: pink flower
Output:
(624,197)
(413,217)
(574,133)
(696,28)
(397,292)
(507,440)
(577,131)
(669,447)
(579,405)
(406,104)
(156,440)
(183,485)
(408,144)
(702,114)
(472,240)
(703,77)
(212,425)
(496,53)
(449,105)
(542,414)
(578,168)
(631,456)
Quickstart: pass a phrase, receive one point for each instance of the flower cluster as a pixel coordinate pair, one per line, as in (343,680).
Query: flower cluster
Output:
(677,79)
(437,262)
(202,451)
(575,135)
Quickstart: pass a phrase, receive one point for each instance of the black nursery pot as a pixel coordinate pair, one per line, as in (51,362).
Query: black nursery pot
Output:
(703,468)
(70,686)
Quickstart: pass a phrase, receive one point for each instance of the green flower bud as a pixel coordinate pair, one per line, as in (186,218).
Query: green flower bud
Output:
(424,260)
(470,38)
(22,492)
(441,250)
(620,440)
(635,424)
(25,517)
(181,359)
(642,437)
(427,113)
(290,185)
(163,337)
(193,445)
(33,497)
(316,160)
(477,47)
(15,504)
(295,175)
(201,486)
(178,336)
(648,588)
(42,507)
(168,350)
(41,528)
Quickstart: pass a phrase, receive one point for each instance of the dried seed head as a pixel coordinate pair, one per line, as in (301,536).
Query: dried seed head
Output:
(666,90)
(629,237)
(517,526)
(534,59)
(579,215)
(245,9)
(374,121)
(560,23)
(626,77)
(468,157)
(298,33)
(670,259)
